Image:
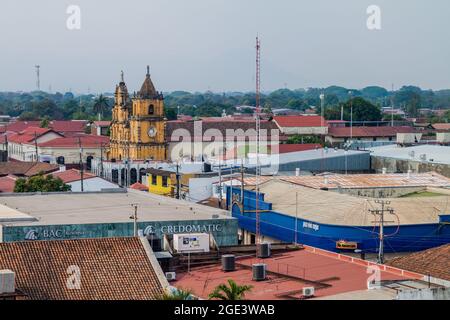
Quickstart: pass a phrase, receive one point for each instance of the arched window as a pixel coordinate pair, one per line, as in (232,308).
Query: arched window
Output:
(115,175)
(60,160)
(89,162)
(151,109)
(133,176)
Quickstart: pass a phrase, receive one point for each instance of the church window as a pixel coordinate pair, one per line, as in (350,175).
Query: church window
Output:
(151,109)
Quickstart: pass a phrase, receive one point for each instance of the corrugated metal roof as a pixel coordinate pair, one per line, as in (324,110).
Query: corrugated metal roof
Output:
(430,179)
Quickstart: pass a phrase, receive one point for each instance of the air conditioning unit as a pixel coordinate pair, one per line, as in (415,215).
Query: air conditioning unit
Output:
(171,276)
(308,292)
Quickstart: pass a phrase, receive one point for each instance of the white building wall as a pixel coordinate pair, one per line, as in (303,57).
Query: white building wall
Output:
(305,130)
(92,184)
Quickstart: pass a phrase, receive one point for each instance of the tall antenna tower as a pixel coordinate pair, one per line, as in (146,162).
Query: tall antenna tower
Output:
(258,135)
(38,80)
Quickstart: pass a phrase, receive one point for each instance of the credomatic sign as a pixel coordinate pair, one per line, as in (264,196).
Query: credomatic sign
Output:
(190,228)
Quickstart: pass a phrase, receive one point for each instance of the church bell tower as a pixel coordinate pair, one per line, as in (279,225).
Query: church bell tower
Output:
(138,125)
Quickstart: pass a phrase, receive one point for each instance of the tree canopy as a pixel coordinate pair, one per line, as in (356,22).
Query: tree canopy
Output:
(41,183)
(38,104)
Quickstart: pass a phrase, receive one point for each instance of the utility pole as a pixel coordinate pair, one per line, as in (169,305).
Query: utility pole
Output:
(101,159)
(6,148)
(220,183)
(350,93)
(392,106)
(322,124)
(36,147)
(81,164)
(242,182)
(178,180)
(38,80)
(134,217)
(127,178)
(296,218)
(380,212)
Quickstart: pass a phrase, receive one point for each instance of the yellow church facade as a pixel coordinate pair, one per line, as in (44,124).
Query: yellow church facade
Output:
(138,124)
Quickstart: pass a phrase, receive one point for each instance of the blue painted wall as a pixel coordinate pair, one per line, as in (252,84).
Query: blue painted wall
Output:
(281,226)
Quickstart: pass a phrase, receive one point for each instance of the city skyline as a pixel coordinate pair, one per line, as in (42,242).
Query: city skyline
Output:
(303,45)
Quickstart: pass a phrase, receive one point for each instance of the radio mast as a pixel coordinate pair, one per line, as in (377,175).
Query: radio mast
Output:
(258,135)
(38,80)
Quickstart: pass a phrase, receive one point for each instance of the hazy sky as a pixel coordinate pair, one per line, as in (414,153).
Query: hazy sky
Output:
(197,45)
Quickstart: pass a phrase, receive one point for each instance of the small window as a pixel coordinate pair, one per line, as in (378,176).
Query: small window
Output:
(154,180)
(164,181)
(60,160)
(151,109)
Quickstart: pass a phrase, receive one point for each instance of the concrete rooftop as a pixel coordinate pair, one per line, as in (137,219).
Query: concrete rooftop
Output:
(439,154)
(100,207)
(330,274)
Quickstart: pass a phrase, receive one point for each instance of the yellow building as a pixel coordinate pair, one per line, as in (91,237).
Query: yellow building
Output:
(138,124)
(161,182)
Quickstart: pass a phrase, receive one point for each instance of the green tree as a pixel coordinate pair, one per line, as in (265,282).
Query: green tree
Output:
(301,139)
(40,183)
(232,291)
(170,113)
(178,294)
(45,121)
(100,106)
(363,110)
(27,116)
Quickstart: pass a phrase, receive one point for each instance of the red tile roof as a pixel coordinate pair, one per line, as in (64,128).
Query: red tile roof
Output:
(434,262)
(442,126)
(57,125)
(341,132)
(286,148)
(221,124)
(110,269)
(87,141)
(27,169)
(28,135)
(300,121)
(102,123)
(72,175)
(19,126)
(68,126)
(330,274)
(139,186)
(7,183)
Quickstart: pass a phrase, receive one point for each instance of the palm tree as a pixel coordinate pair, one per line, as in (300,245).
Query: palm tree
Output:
(100,105)
(230,292)
(178,294)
